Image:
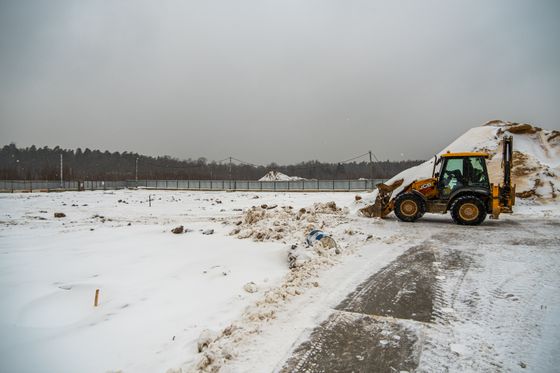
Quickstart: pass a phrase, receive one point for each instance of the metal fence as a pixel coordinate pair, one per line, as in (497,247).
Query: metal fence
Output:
(51,186)
(235,185)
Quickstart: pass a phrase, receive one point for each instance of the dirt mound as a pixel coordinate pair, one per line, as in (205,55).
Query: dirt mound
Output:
(512,127)
(536,158)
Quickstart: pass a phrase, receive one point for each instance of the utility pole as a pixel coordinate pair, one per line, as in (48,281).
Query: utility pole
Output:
(229,168)
(136,173)
(371,168)
(61,172)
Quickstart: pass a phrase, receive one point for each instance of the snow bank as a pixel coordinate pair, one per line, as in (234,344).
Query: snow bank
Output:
(536,158)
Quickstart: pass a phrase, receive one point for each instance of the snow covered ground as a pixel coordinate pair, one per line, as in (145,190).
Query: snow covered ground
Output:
(160,291)
(222,296)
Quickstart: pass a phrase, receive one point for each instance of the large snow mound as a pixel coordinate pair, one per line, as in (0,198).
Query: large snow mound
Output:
(536,158)
(279,176)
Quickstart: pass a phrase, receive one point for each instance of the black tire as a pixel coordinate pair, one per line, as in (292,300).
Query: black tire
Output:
(409,207)
(468,210)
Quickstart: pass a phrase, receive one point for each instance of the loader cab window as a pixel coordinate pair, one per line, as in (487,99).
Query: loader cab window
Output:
(475,172)
(462,172)
(451,175)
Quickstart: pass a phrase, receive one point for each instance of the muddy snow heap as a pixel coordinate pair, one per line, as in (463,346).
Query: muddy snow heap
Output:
(536,158)
(279,176)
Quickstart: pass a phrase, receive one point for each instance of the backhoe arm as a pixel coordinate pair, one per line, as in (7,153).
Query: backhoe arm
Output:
(503,196)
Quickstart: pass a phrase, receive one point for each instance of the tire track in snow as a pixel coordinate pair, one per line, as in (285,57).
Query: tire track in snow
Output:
(493,321)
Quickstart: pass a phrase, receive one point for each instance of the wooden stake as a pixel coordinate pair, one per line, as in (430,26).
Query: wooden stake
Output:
(96,301)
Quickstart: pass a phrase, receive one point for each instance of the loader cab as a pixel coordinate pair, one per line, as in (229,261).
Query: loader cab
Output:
(462,171)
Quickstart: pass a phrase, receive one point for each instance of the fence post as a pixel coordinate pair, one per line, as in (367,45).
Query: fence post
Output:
(348,184)
(333,185)
(12,186)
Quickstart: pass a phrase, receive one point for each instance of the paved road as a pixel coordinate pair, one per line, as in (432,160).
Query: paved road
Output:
(449,305)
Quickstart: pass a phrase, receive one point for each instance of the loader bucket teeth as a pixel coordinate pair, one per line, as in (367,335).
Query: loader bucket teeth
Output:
(381,207)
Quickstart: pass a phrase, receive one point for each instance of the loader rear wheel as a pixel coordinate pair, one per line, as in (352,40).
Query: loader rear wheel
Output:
(409,207)
(468,210)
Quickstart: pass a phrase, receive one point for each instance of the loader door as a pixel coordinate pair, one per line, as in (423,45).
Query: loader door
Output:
(462,172)
(451,176)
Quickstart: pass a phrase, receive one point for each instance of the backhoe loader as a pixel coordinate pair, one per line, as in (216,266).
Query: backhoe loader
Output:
(461,186)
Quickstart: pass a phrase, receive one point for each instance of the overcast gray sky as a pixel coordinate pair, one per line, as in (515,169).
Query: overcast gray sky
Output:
(283,81)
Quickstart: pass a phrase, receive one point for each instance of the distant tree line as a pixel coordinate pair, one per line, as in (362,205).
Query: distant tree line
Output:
(33,163)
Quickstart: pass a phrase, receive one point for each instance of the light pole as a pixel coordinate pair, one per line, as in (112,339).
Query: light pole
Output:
(61,172)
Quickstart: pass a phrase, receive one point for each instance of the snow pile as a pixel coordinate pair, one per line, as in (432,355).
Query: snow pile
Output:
(224,347)
(279,176)
(285,224)
(536,158)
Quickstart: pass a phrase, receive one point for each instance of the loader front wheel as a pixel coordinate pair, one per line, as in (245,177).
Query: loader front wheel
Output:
(468,210)
(409,207)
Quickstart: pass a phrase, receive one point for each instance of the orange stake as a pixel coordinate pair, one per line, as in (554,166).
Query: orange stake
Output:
(96,301)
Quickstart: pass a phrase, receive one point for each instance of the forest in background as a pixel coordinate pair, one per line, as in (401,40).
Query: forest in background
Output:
(34,163)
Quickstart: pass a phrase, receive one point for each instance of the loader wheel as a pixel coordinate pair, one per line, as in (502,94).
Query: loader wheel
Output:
(468,210)
(409,207)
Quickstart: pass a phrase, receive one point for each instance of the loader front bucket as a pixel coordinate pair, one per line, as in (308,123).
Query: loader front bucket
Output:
(381,206)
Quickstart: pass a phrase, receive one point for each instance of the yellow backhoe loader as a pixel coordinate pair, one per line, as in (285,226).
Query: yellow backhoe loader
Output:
(461,186)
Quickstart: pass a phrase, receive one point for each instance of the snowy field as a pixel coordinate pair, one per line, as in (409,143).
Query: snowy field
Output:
(159,292)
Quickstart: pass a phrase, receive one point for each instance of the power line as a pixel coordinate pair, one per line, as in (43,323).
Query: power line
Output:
(300,167)
(172,167)
(356,157)
(295,166)
(247,163)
